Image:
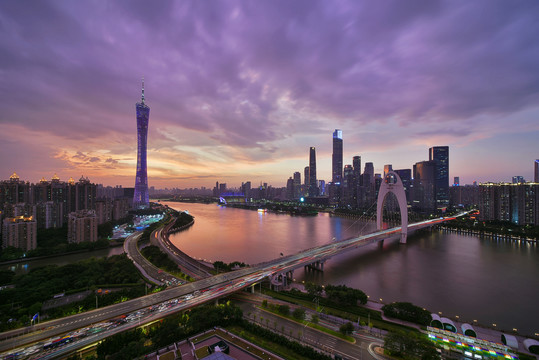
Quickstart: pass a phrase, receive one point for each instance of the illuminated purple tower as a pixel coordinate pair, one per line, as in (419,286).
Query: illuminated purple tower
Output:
(142,198)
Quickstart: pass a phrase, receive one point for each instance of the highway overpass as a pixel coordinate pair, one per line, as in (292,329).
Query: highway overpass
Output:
(195,293)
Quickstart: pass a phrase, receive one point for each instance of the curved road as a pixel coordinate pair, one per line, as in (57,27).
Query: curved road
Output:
(213,288)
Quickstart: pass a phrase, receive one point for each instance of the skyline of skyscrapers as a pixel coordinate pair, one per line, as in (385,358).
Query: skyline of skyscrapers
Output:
(141,198)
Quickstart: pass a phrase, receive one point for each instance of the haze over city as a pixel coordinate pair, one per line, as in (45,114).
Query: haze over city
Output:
(239,91)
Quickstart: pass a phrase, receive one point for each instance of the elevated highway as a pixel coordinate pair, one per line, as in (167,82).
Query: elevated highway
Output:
(202,291)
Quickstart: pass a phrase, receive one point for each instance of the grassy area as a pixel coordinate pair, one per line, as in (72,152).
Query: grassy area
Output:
(311,325)
(280,350)
(351,313)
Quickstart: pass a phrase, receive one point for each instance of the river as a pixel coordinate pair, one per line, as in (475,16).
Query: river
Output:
(487,280)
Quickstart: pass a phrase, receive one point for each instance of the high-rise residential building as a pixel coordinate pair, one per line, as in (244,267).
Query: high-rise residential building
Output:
(141,198)
(19,232)
(536,177)
(424,194)
(14,191)
(82,226)
(336,164)
(313,183)
(518,179)
(517,203)
(440,156)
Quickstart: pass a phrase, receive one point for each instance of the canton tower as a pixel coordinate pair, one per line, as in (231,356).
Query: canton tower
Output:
(142,198)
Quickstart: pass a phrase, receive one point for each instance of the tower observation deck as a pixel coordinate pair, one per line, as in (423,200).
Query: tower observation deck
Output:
(141,198)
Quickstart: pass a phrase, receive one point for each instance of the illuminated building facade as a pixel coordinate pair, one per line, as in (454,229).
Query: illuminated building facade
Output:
(141,198)
(337,157)
(440,156)
(313,183)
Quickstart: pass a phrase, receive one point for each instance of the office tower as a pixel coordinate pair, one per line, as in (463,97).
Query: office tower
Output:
(19,232)
(518,179)
(307,177)
(222,188)
(141,198)
(297,185)
(456,181)
(313,183)
(387,168)
(406,178)
(336,165)
(290,188)
(246,189)
(368,173)
(347,197)
(321,187)
(440,156)
(356,163)
(424,198)
(536,177)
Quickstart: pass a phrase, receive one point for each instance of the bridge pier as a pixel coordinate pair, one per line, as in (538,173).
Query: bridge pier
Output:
(318,266)
(253,289)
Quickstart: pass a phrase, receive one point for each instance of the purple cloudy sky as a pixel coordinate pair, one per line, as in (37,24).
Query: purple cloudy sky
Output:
(239,90)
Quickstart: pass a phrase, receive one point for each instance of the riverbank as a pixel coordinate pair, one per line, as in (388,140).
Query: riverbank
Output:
(486,234)
(35,258)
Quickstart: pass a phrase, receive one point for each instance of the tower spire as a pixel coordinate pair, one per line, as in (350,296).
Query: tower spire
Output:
(143,90)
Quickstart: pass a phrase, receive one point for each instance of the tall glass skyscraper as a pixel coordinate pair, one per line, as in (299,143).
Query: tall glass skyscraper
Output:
(337,157)
(141,198)
(440,156)
(313,184)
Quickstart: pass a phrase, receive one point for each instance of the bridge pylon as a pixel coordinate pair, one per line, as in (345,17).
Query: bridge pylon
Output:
(392,183)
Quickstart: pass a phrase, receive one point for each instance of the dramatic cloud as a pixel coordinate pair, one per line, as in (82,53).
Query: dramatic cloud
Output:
(239,90)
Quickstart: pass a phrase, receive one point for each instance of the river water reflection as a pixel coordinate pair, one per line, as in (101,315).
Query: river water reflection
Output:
(483,279)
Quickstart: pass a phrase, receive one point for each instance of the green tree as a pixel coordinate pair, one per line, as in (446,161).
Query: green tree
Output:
(283,310)
(313,289)
(346,328)
(298,314)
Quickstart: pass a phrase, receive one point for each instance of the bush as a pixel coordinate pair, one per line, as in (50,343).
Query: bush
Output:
(344,295)
(408,312)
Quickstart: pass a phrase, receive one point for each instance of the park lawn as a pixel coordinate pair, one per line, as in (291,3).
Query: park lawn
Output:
(380,324)
(312,325)
(277,349)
